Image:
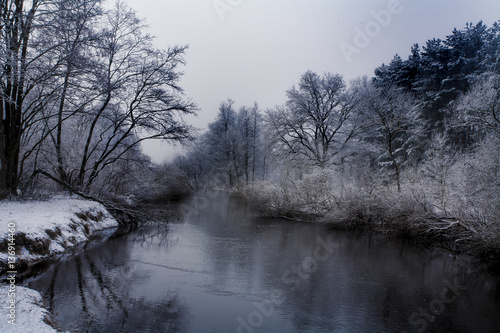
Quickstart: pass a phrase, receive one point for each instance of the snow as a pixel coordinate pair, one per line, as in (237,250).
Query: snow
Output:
(29,313)
(59,216)
(69,221)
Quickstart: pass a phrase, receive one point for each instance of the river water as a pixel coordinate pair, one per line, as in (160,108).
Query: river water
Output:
(222,270)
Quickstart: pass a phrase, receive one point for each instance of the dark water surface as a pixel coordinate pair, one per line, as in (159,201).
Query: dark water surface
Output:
(220,270)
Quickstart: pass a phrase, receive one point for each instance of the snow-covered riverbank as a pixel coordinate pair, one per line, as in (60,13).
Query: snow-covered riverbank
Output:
(44,228)
(25,313)
(32,231)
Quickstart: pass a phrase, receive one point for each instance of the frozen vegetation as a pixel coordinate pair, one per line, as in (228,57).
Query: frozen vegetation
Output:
(412,152)
(42,229)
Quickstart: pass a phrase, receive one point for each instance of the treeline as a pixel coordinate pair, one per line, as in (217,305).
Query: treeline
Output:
(81,87)
(416,148)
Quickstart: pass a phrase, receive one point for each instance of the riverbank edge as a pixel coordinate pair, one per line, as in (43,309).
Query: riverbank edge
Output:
(25,311)
(38,232)
(424,229)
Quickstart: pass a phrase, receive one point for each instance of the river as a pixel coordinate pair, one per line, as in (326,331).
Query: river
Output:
(221,269)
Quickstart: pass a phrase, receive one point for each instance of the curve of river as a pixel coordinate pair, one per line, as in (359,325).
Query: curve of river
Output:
(221,270)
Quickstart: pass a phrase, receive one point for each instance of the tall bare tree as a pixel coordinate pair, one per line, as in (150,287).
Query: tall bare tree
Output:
(80,87)
(315,125)
(73,28)
(123,92)
(18,77)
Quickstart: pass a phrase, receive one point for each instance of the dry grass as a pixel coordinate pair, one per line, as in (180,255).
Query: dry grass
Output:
(90,216)
(35,246)
(53,234)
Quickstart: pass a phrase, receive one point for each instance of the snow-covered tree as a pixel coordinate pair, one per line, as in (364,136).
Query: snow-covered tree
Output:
(23,69)
(316,124)
(436,168)
(113,89)
(248,125)
(479,108)
(444,69)
(392,121)
(223,143)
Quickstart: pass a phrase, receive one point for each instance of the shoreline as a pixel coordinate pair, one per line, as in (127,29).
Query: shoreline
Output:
(36,233)
(91,218)
(489,255)
(24,311)
(38,230)
(426,229)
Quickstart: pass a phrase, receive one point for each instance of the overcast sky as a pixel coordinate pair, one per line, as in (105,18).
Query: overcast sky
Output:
(254,50)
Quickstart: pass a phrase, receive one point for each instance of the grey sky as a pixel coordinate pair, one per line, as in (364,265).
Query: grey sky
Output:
(254,50)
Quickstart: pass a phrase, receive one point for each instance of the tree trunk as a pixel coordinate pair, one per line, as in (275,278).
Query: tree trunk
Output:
(254,146)
(394,163)
(86,155)
(58,144)
(9,155)
(3,160)
(16,28)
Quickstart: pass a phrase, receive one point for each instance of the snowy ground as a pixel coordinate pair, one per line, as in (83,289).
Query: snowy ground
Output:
(50,227)
(22,311)
(38,230)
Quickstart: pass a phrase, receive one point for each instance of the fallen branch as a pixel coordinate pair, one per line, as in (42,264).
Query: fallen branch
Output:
(433,228)
(463,239)
(130,214)
(449,222)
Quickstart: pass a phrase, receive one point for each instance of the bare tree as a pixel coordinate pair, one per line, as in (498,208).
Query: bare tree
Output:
(391,119)
(223,143)
(439,159)
(230,152)
(112,90)
(315,124)
(18,19)
(248,126)
(141,98)
(73,27)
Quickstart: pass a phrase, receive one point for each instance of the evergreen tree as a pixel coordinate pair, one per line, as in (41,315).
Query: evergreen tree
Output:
(443,70)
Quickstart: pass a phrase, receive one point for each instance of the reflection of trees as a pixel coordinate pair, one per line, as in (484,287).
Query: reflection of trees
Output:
(153,236)
(371,283)
(95,292)
(367,282)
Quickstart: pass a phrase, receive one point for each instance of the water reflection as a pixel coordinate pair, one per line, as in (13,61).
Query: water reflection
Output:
(102,290)
(221,270)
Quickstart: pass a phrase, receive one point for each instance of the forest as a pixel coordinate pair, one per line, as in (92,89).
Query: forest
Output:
(82,87)
(412,151)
